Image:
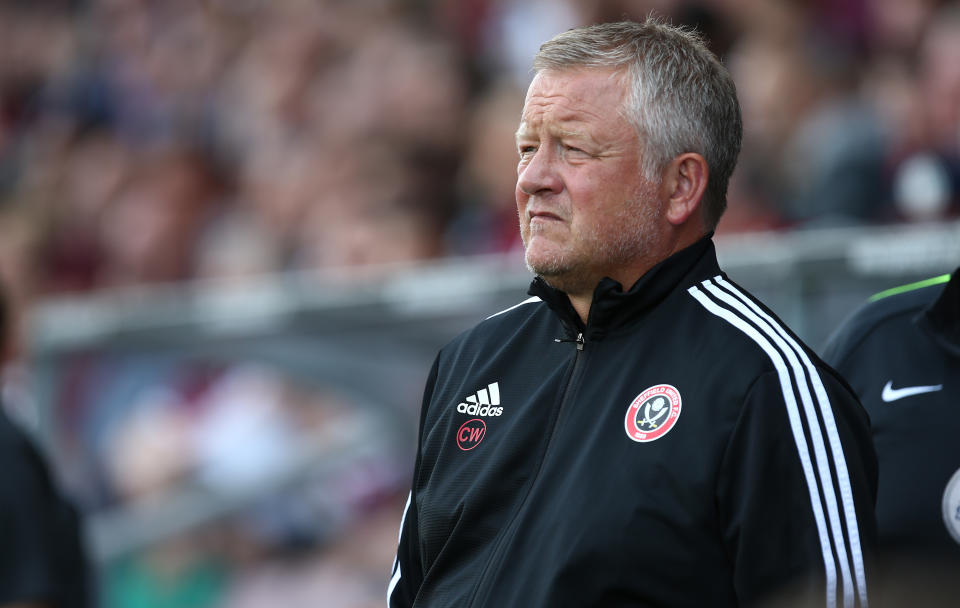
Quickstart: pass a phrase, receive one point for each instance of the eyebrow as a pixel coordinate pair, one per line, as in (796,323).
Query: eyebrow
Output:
(555,131)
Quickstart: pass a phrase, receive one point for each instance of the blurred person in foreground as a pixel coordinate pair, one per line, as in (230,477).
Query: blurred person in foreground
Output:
(641,431)
(900,353)
(43,563)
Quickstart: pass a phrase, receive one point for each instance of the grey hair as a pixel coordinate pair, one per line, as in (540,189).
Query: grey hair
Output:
(681,99)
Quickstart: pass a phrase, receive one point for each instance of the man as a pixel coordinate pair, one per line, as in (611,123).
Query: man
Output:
(901,355)
(544,476)
(43,563)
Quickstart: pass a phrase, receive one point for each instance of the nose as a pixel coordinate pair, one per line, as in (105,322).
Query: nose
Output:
(539,175)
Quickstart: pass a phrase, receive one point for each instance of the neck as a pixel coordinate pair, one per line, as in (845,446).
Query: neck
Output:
(581,304)
(582,300)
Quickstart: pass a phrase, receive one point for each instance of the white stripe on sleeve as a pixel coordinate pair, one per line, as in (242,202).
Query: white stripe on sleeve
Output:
(527,301)
(396,561)
(793,414)
(802,374)
(836,447)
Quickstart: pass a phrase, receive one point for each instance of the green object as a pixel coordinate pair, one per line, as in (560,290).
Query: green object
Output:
(910,287)
(134,584)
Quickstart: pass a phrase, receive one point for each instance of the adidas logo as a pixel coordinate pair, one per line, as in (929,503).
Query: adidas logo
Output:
(483,402)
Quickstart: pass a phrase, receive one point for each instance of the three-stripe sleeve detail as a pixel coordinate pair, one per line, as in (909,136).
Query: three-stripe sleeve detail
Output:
(797,375)
(396,561)
(833,437)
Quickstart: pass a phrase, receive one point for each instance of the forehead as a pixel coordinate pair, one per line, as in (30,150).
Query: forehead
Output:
(575,95)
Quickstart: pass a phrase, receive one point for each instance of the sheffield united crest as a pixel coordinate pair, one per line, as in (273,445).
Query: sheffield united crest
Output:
(653,413)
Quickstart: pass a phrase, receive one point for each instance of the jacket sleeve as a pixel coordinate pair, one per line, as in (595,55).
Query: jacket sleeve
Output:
(796,492)
(408,568)
(42,556)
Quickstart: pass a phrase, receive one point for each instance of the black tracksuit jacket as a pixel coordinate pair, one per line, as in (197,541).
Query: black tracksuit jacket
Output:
(901,355)
(680,449)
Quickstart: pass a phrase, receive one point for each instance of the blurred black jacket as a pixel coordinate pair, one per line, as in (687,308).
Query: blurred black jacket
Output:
(42,556)
(901,355)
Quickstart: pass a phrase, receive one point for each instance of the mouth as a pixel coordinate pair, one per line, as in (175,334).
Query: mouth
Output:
(543,216)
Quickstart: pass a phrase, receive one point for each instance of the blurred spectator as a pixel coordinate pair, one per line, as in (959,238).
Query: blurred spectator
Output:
(487,221)
(514,27)
(926,177)
(833,159)
(74,198)
(149,227)
(897,26)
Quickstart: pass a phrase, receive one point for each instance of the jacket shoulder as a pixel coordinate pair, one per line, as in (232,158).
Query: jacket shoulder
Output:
(498,326)
(877,314)
(531,300)
(742,326)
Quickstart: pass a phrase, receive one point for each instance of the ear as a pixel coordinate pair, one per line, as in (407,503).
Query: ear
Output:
(685,181)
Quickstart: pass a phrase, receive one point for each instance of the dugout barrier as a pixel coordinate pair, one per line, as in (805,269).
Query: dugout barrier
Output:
(366,340)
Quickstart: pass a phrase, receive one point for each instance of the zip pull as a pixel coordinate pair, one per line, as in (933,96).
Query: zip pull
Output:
(578,340)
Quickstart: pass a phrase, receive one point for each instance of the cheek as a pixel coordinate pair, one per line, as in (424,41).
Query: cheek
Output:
(522,200)
(589,198)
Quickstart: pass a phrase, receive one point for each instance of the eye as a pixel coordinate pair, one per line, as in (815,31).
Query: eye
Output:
(526,151)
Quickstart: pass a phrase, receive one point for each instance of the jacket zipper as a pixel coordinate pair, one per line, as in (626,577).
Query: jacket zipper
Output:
(506,531)
(578,340)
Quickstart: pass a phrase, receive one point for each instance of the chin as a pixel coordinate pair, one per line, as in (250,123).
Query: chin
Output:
(560,274)
(572,283)
(544,264)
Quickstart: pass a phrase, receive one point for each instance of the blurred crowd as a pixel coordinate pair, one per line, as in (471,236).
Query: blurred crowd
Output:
(155,141)
(145,141)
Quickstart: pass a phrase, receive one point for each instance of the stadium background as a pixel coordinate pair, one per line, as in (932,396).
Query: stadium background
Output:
(236,231)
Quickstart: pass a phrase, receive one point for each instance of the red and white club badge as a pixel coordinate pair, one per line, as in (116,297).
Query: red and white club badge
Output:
(653,413)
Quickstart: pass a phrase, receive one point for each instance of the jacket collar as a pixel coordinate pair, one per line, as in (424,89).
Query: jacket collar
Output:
(941,320)
(613,308)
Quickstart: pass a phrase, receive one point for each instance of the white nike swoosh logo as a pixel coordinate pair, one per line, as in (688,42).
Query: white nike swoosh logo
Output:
(893,394)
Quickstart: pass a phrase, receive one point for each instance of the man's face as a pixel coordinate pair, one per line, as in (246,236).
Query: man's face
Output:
(586,211)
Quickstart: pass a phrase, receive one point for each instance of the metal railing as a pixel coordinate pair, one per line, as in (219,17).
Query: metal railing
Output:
(373,335)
